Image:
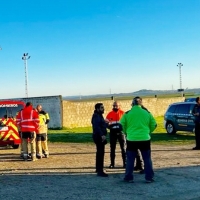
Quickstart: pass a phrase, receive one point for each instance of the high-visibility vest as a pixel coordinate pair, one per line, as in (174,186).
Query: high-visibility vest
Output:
(28,120)
(44,119)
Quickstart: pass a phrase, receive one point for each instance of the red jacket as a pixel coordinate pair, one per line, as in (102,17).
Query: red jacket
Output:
(114,117)
(28,120)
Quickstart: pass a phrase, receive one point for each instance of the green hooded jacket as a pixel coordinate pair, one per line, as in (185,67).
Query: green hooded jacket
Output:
(138,124)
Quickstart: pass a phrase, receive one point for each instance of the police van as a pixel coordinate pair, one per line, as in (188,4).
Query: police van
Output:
(9,133)
(178,117)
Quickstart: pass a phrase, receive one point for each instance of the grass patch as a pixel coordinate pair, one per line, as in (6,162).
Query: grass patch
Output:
(74,135)
(84,135)
(160,136)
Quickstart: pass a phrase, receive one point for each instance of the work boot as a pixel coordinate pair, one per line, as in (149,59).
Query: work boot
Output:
(46,155)
(39,157)
(150,180)
(128,180)
(29,156)
(25,158)
(137,168)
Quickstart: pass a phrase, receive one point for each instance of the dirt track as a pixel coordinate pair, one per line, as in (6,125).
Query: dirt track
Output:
(69,174)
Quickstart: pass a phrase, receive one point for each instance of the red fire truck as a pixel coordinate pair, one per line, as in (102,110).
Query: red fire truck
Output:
(9,134)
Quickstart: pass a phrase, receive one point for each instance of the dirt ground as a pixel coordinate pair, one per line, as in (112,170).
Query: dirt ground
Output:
(69,174)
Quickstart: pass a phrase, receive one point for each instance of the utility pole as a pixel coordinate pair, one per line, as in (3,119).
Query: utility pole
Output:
(180,78)
(25,57)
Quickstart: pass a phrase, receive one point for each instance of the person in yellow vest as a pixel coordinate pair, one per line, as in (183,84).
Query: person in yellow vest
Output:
(41,140)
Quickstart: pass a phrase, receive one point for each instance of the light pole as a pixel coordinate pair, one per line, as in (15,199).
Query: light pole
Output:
(25,57)
(180,89)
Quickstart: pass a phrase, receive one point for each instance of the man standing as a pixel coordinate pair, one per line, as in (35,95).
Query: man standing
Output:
(116,134)
(28,121)
(99,137)
(138,124)
(196,113)
(42,133)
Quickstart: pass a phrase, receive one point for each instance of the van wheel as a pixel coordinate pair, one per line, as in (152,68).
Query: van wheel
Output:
(170,128)
(15,146)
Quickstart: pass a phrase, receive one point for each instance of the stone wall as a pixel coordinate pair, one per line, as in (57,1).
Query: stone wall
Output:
(78,114)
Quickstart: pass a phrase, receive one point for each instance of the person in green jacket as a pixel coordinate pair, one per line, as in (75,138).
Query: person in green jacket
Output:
(138,124)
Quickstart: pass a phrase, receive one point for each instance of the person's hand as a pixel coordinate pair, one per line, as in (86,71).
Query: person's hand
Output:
(107,121)
(103,137)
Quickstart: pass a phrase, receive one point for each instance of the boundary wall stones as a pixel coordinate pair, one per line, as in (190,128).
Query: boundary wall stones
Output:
(71,114)
(78,114)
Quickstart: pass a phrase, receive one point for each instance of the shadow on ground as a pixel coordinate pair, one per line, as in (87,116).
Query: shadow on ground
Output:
(171,183)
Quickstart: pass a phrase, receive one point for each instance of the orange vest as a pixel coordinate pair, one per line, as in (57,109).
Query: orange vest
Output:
(114,117)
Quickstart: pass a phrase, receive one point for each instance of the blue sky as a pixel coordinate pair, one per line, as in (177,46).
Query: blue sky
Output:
(82,47)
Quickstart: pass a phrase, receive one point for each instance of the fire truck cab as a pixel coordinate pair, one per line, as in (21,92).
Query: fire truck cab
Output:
(9,134)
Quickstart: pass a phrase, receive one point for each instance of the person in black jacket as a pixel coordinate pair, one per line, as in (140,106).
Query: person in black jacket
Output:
(99,136)
(196,113)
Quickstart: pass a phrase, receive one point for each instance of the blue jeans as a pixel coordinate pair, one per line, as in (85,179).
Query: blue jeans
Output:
(148,168)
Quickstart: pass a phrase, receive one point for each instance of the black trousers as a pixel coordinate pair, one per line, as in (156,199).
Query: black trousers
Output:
(197,134)
(138,164)
(26,135)
(114,137)
(100,151)
(141,145)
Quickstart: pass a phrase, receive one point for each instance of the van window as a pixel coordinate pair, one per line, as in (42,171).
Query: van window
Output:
(191,108)
(3,112)
(10,111)
(190,100)
(172,109)
(183,109)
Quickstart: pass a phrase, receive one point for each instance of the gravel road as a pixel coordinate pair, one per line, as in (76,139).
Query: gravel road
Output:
(69,174)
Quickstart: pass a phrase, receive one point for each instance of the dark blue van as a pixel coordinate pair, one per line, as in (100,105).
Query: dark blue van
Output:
(178,117)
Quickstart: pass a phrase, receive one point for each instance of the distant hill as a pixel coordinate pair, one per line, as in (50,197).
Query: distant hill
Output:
(143,92)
